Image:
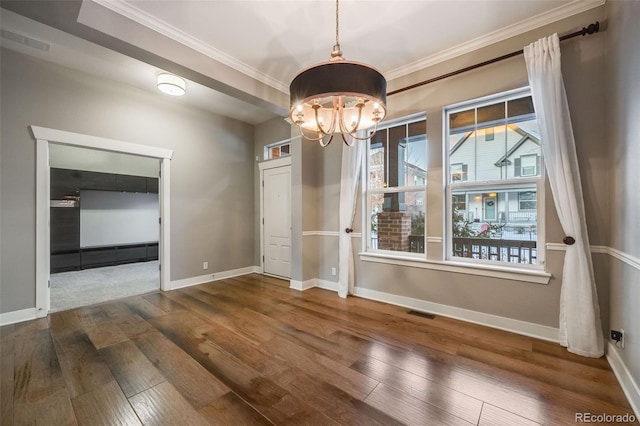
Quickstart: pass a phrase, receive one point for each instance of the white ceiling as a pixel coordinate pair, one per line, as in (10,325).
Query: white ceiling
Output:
(271,41)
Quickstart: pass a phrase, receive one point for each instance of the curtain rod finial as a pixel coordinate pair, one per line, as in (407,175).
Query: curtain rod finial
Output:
(592,28)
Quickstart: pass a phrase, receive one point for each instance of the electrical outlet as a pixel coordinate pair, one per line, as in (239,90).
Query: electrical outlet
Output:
(333,271)
(205,265)
(618,337)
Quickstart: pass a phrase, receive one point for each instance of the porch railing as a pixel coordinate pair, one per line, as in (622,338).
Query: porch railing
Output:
(416,243)
(514,251)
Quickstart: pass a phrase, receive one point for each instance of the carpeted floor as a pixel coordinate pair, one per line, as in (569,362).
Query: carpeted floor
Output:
(81,288)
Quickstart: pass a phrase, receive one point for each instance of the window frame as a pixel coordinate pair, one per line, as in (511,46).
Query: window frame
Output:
(490,185)
(268,150)
(367,192)
(463,174)
(520,200)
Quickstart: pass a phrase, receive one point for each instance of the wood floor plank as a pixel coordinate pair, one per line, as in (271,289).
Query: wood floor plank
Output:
(541,360)
(274,402)
(322,368)
(532,399)
(143,308)
(301,314)
(244,294)
(482,333)
(332,401)
(494,416)
(163,302)
(132,370)
(134,326)
(229,409)
(447,399)
(264,328)
(163,405)
(104,406)
(24,330)
(577,381)
(317,393)
(559,352)
(247,319)
(40,393)
(6,389)
(66,328)
(194,382)
(410,410)
(102,331)
(83,367)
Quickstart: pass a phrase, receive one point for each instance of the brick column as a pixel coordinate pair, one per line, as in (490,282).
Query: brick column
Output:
(393,231)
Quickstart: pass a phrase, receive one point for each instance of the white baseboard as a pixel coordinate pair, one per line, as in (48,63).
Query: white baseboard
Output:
(18,316)
(303,285)
(501,323)
(627,382)
(188,282)
(313,282)
(328,285)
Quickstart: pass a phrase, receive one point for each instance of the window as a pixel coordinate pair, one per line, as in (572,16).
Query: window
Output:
(489,134)
(396,167)
(458,172)
(492,202)
(526,165)
(277,150)
(527,200)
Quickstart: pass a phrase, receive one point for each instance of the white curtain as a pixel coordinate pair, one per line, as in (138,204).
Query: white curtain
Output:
(351,162)
(580,327)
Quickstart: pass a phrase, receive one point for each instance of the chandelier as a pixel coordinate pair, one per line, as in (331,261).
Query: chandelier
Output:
(338,96)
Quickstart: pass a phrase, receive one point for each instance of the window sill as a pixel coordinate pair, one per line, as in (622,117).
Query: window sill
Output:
(494,271)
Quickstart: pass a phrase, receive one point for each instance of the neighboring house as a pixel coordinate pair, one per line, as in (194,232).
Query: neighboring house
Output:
(494,154)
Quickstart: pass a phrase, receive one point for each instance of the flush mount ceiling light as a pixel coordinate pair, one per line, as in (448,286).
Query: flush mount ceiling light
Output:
(338,96)
(171,84)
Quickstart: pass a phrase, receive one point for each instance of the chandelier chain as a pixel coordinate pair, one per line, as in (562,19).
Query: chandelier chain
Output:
(337,25)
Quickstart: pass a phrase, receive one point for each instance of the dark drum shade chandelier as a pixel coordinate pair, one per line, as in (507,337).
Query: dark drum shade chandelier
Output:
(338,96)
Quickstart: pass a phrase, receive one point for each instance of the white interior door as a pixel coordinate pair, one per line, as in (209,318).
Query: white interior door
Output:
(277,221)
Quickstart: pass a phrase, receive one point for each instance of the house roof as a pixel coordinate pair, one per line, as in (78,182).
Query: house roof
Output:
(525,137)
(505,158)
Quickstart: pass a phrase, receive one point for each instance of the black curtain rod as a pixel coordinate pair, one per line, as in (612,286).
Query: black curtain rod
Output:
(591,29)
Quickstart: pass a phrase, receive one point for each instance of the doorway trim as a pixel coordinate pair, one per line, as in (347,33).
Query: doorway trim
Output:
(45,136)
(266,165)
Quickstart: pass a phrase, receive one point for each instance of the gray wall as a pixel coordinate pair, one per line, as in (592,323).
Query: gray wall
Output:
(212,177)
(583,69)
(623,57)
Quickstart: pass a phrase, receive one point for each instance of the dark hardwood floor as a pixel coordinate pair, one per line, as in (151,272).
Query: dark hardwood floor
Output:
(248,350)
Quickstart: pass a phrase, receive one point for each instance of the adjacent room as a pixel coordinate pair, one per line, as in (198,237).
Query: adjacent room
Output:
(319,212)
(104,226)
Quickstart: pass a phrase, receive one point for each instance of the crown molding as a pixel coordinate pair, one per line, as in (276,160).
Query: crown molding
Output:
(143,18)
(545,18)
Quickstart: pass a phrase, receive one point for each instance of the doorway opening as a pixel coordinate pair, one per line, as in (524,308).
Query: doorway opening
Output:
(104,226)
(106,197)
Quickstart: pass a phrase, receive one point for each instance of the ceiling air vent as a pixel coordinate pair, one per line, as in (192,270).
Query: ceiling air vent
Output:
(27,41)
